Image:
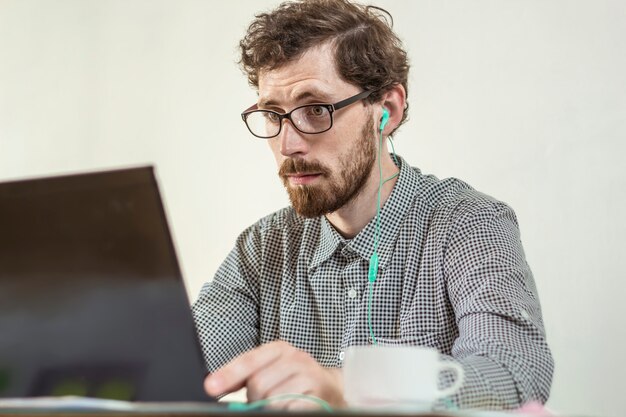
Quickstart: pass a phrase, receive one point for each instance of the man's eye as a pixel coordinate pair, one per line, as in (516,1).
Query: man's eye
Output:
(316,111)
(271,117)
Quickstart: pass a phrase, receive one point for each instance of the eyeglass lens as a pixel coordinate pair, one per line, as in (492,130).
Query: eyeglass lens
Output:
(307,119)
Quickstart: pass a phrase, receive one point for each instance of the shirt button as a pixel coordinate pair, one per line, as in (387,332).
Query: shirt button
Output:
(352,293)
(341,355)
(525,314)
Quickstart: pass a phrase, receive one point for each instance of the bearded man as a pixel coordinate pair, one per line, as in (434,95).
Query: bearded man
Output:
(371,250)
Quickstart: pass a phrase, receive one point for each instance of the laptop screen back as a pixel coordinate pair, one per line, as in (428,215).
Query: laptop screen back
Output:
(92,300)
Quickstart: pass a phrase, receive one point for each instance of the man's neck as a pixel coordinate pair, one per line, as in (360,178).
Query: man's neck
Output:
(350,219)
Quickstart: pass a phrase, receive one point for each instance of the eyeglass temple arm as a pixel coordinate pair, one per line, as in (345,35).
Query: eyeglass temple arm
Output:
(350,100)
(249,109)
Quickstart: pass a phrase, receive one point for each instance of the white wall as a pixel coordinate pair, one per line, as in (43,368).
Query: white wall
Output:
(523,99)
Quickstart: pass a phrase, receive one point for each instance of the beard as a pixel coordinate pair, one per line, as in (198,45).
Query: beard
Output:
(339,188)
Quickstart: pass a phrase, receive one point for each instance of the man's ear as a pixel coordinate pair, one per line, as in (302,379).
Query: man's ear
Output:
(394,101)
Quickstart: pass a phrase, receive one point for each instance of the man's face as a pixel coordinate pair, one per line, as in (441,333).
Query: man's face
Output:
(321,172)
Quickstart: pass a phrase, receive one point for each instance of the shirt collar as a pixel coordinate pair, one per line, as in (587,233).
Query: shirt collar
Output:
(329,240)
(391,217)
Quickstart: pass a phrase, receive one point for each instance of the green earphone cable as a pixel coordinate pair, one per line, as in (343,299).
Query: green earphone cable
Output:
(373,268)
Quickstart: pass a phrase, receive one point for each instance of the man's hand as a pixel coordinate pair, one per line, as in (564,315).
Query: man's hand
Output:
(278,368)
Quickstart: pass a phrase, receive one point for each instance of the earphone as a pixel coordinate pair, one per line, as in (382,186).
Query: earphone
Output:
(384,119)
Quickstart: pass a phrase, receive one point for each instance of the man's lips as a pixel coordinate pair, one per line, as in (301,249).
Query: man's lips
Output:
(303,178)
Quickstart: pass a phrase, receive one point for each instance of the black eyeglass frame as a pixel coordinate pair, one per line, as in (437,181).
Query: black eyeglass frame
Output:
(330,107)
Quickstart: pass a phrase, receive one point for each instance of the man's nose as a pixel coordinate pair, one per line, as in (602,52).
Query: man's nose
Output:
(292,141)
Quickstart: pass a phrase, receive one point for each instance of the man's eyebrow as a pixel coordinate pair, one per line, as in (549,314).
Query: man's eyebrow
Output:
(300,97)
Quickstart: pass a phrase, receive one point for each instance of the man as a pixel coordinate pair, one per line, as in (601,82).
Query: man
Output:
(444,263)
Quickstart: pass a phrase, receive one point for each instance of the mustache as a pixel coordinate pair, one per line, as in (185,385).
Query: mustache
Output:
(300,166)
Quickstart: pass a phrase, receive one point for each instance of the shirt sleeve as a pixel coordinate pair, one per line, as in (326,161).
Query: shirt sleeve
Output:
(501,343)
(226,311)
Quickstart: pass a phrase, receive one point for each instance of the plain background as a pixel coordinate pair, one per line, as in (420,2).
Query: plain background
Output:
(525,100)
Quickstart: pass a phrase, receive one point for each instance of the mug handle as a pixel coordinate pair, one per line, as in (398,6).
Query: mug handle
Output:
(460,378)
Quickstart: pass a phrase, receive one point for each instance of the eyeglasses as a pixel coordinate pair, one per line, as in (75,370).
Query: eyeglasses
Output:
(311,118)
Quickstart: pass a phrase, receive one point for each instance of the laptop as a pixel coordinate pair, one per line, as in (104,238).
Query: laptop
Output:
(92,301)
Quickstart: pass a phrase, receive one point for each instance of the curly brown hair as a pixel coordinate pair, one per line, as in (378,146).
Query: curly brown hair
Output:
(367,51)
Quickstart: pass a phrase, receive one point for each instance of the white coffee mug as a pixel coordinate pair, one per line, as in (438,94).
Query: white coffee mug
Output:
(396,376)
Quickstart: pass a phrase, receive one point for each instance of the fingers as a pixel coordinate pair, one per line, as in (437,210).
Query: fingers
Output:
(291,365)
(235,374)
(301,376)
(278,368)
(215,388)
(264,383)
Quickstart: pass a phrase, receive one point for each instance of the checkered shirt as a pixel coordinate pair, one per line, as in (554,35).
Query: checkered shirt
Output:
(452,276)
